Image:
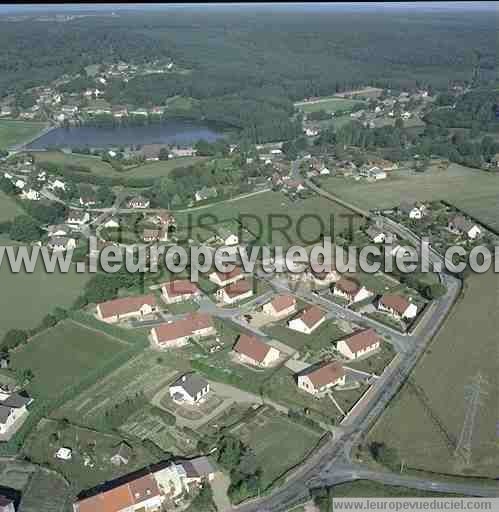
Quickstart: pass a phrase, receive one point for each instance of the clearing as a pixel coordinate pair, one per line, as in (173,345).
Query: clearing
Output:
(16,132)
(8,208)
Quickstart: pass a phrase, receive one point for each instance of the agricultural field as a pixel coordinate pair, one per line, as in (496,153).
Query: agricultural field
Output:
(16,132)
(471,190)
(277,442)
(8,208)
(255,213)
(45,291)
(63,355)
(148,372)
(330,104)
(463,351)
(160,168)
(96,447)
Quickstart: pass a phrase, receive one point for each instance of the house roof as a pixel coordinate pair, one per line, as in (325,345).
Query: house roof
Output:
(125,305)
(283,301)
(4,501)
(15,401)
(461,223)
(373,232)
(183,327)
(76,214)
(198,467)
(180,287)
(395,302)
(311,316)
(406,206)
(325,374)
(192,383)
(238,288)
(252,347)
(124,450)
(361,340)
(5,412)
(225,276)
(348,286)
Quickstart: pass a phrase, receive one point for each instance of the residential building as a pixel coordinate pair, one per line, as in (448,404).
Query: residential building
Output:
(376,235)
(254,351)
(179,290)
(205,193)
(13,406)
(373,173)
(319,379)
(359,344)
(190,388)
(459,224)
(64,453)
(163,219)
(122,455)
(155,235)
(182,152)
(411,210)
(89,200)
(397,306)
(324,274)
(57,184)
(69,109)
(351,290)
(6,504)
(111,223)
(227,237)
(198,470)
(31,195)
(20,184)
(226,278)
(77,217)
(235,292)
(281,306)
(308,320)
(125,308)
(138,202)
(177,333)
(58,230)
(61,243)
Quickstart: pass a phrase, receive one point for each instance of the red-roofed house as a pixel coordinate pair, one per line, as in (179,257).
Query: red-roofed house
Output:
(115,310)
(254,351)
(235,292)
(351,290)
(281,306)
(397,306)
(308,320)
(359,344)
(318,380)
(178,332)
(179,291)
(226,278)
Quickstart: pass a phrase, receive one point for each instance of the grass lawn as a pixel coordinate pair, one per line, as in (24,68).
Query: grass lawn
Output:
(161,168)
(26,298)
(278,443)
(8,208)
(465,347)
(95,163)
(16,132)
(63,355)
(368,489)
(376,362)
(329,104)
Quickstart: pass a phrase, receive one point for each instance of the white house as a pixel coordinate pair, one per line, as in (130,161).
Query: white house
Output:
(376,235)
(124,308)
(111,223)
(13,406)
(373,173)
(351,291)
(226,237)
(281,306)
(311,132)
(190,389)
(179,290)
(64,454)
(57,184)
(20,184)
(325,171)
(77,217)
(459,224)
(359,344)
(61,243)
(254,351)
(138,203)
(318,380)
(235,292)
(397,306)
(31,195)
(87,201)
(308,320)
(226,278)
(411,210)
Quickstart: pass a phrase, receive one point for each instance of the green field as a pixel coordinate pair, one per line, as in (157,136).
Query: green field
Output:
(278,443)
(16,132)
(330,104)
(471,190)
(160,168)
(26,298)
(95,163)
(62,356)
(464,348)
(8,208)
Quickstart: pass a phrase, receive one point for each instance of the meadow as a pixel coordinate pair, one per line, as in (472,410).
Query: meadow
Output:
(26,298)
(461,352)
(63,355)
(330,104)
(8,208)
(16,132)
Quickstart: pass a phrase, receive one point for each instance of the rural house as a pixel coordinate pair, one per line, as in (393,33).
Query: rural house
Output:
(308,320)
(190,388)
(411,210)
(88,200)
(58,230)
(155,235)
(6,504)
(252,350)
(319,379)
(179,290)
(376,235)
(226,237)
(122,455)
(372,173)
(61,243)
(31,195)
(226,278)
(77,217)
(138,202)
(177,333)
(235,292)
(397,306)
(198,470)
(359,344)
(351,290)
(205,193)
(324,274)
(13,406)
(281,306)
(126,308)
(459,224)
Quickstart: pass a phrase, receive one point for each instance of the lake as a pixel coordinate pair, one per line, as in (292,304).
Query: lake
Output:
(170,132)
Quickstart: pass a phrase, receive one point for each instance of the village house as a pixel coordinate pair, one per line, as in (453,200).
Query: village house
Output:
(138,202)
(112,222)
(460,225)
(411,210)
(372,173)
(198,470)
(61,243)
(397,306)
(163,219)
(189,388)
(308,320)
(20,184)
(125,308)
(6,504)
(324,274)
(69,109)
(281,306)
(319,379)
(58,230)
(252,350)
(359,344)
(311,132)
(227,237)
(351,290)
(226,278)
(89,200)
(13,406)
(205,193)
(182,152)
(179,290)
(77,218)
(376,235)
(119,111)
(122,455)
(178,333)
(235,292)
(31,195)
(57,184)
(155,235)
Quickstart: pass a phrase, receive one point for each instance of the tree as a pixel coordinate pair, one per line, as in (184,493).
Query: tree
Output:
(163,154)
(385,455)
(105,195)
(24,229)
(434,291)
(13,338)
